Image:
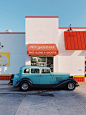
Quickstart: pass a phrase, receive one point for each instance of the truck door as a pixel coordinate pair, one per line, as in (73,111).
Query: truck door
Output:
(35,76)
(45,76)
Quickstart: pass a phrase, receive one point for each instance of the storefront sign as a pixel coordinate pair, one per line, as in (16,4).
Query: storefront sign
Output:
(75,40)
(42,49)
(43,52)
(4,58)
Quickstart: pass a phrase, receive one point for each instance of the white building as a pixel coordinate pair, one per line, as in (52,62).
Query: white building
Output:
(44,43)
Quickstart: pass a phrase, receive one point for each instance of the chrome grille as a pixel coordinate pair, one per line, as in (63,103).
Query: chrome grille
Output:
(58,78)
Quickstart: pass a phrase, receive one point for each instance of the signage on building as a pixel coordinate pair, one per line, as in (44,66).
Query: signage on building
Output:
(4,58)
(42,49)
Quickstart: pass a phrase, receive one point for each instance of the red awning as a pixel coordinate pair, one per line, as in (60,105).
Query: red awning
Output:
(42,49)
(75,40)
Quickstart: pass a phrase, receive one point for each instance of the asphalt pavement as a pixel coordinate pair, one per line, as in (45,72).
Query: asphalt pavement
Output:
(42,102)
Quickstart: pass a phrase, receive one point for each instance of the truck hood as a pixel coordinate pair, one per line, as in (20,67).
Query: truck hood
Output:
(63,74)
(16,75)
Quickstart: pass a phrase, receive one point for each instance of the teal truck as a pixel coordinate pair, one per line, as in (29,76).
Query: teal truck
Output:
(41,77)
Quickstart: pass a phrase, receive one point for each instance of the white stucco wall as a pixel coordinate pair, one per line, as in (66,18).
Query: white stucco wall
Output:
(70,61)
(41,31)
(15,44)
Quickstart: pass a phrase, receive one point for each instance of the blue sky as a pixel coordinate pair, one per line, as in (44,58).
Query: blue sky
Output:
(13,12)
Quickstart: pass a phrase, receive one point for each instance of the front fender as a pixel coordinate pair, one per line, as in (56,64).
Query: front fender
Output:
(64,83)
(21,80)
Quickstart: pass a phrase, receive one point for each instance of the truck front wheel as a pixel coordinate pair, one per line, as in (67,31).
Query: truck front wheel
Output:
(24,86)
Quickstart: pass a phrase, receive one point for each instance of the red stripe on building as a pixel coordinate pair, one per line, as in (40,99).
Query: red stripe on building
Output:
(12,32)
(41,16)
(72,28)
(79,79)
(5,77)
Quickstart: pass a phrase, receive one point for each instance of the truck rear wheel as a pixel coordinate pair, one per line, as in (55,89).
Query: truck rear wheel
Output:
(71,86)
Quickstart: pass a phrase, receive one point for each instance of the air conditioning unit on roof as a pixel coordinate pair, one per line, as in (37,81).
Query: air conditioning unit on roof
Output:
(8,31)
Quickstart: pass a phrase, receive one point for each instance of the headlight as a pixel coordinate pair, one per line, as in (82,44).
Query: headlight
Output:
(12,76)
(16,80)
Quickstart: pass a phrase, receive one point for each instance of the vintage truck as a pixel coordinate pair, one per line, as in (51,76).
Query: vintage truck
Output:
(41,77)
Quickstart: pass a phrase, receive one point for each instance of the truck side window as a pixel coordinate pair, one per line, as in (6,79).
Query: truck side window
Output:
(26,70)
(45,71)
(34,70)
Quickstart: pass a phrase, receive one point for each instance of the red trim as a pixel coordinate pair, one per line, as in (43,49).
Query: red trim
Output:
(72,27)
(41,17)
(5,77)
(12,32)
(79,79)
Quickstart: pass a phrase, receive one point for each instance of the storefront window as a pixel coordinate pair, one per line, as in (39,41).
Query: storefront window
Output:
(42,61)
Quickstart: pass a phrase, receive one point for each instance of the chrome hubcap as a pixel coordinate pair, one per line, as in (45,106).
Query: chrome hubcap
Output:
(24,86)
(71,86)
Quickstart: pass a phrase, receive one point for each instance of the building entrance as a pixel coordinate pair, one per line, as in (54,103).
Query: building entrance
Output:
(42,61)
